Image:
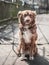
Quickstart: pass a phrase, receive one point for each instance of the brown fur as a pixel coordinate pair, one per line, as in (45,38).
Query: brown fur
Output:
(30,22)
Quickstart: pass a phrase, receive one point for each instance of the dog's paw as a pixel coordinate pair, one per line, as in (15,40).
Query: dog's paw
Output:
(23,57)
(31,58)
(19,54)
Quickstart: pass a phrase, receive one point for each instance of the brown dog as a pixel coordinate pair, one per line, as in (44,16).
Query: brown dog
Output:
(27,33)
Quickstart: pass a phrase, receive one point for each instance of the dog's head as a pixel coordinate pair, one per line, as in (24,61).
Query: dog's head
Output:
(26,17)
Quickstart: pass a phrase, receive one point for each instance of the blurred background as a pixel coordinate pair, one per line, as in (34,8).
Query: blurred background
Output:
(10,8)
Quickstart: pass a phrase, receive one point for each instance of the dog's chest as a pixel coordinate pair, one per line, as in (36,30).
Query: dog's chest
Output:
(27,36)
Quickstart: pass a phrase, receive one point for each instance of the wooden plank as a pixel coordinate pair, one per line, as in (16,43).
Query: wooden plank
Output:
(41,39)
(4,53)
(45,31)
(11,59)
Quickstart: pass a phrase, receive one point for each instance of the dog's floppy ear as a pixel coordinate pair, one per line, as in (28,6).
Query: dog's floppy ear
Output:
(19,14)
(34,12)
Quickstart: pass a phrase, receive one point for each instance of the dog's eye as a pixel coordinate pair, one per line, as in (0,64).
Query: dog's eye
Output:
(25,15)
(30,15)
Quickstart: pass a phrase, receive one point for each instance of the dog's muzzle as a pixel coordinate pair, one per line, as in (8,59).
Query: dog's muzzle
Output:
(27,20)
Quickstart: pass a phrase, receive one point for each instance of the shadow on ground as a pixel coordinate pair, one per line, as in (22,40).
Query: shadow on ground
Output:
(37,61)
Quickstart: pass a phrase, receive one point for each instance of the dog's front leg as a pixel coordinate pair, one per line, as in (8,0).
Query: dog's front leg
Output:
(31,53)
(21,45)
(21,48)
(18,50)
(32,48)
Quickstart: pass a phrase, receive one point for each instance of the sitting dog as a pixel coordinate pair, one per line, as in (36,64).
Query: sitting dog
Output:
(27,33)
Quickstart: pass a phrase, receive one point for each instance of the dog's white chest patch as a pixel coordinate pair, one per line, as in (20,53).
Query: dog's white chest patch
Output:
(27,36)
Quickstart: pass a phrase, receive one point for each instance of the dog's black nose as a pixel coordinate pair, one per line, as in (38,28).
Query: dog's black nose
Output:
(27,20)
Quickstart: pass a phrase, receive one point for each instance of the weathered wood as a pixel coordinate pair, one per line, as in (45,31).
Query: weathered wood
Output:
(8,57)
(8,19)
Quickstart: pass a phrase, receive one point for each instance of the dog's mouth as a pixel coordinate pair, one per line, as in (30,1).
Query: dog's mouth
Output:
(27,23)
